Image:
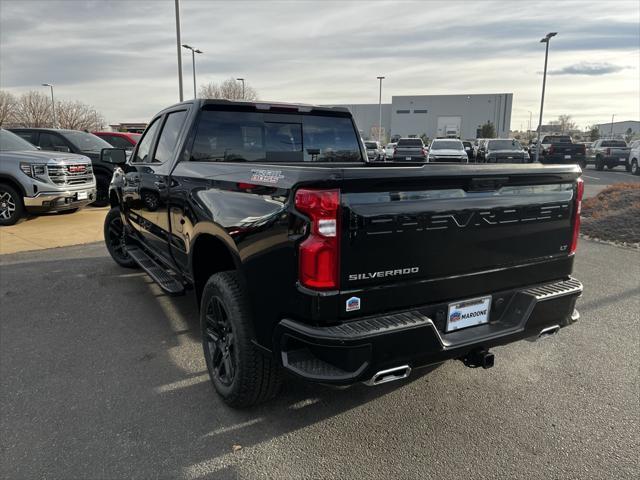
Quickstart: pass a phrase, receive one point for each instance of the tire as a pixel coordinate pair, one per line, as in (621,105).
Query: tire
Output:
(102,191)
(114,240)
(583,165)
(599,164)
(11,206)
(635,169)
(241,374)
(610,167)
(627,167)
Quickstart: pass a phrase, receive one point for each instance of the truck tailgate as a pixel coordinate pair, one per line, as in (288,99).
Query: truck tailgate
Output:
(413,228)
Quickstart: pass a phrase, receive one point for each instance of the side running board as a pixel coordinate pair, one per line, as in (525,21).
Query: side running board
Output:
(165,280)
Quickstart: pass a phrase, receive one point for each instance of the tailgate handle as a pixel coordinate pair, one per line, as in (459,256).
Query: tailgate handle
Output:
(487,183)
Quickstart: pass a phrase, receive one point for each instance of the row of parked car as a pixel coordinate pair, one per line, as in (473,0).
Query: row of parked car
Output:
(554,149)
(495,150)
(52,170)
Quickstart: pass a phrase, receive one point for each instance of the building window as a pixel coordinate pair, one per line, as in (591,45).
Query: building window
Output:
(420,111)
(403,111)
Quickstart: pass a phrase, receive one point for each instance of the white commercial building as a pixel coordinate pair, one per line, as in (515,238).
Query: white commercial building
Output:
(619,129)
(435,115)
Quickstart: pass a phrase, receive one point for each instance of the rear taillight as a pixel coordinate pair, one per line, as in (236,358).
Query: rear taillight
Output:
(319,252)
(551,150)
(577,208)
(424,152)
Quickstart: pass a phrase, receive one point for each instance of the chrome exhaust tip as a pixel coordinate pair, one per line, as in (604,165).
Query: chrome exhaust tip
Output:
(390,375)
(545,333)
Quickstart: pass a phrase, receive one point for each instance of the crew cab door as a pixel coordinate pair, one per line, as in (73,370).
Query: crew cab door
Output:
(146,190)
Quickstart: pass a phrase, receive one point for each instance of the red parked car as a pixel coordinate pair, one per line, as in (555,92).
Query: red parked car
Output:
(124,140)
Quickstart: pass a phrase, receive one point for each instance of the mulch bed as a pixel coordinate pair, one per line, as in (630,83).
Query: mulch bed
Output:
(613,214)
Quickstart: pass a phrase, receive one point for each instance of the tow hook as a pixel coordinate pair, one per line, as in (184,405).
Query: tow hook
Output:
(479,358)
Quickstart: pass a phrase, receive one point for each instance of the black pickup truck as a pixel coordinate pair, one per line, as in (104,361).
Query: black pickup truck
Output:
(307,258)
(559,149)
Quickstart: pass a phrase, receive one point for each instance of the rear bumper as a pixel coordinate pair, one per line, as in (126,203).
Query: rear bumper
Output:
(611,160)
(354,351)
(58,201)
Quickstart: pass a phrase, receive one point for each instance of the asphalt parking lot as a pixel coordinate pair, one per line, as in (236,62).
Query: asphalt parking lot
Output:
(594,181)
(102,376)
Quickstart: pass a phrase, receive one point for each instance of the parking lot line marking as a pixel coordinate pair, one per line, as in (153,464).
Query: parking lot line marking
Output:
(231,428)
(187,382)
(592,178)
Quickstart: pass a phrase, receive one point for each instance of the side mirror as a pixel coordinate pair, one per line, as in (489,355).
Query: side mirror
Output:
(62,148)
(115,156)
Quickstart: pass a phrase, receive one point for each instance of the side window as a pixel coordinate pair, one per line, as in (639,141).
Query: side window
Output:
(169,136)
(144,146)
(50,141)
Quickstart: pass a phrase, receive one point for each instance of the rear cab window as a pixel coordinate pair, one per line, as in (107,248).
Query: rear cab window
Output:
(254,136)
(614,143)
(410,142)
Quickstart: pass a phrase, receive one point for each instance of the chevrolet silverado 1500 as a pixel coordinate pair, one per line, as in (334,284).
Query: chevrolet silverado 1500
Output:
(305,257)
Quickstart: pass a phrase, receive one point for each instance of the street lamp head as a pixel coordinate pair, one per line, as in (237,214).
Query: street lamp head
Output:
(47,85)
(380,78)
(187,46)
(198,50)
(548,36)
(240,79)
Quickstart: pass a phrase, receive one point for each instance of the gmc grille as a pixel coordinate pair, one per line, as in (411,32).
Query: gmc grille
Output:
(75,174)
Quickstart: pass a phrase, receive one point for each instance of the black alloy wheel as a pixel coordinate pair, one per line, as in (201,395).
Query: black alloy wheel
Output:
(219,342)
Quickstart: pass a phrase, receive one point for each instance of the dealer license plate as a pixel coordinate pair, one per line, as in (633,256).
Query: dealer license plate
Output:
(567,157)
(407,158)
(468,313)
(622,159)
(82,195)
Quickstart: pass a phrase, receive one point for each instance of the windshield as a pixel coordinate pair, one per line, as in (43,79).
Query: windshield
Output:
(410,142)
(370,144)
(447,145)
(10,142)
(504,145)
(86,142)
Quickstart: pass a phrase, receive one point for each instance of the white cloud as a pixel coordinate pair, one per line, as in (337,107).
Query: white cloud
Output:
(121,56)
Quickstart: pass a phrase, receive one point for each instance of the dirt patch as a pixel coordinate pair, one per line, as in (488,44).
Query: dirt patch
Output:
(613,214)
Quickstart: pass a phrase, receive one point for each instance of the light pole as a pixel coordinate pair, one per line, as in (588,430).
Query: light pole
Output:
(178,41)
(241,80)
(544,83)
(193,61)
(530,115)
(53,104)
(611,132)
(380,111)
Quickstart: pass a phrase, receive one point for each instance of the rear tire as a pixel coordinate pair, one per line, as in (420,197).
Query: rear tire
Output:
(627,167)
(11,207)
(635,170)
(242,374)
(610,167)
(114,239)
(599,164)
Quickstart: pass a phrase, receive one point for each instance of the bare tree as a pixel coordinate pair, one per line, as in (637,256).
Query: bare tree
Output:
(33,110)
(230,89)
(566,125)
(8,105)
(75,115)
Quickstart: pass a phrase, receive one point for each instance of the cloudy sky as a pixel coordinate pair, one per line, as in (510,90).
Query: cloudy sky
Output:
(120,56)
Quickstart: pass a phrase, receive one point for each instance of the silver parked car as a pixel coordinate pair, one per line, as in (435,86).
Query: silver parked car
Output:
(35,181)
(375,152)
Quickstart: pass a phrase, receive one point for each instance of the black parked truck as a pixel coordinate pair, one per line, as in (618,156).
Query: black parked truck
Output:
(307,258)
